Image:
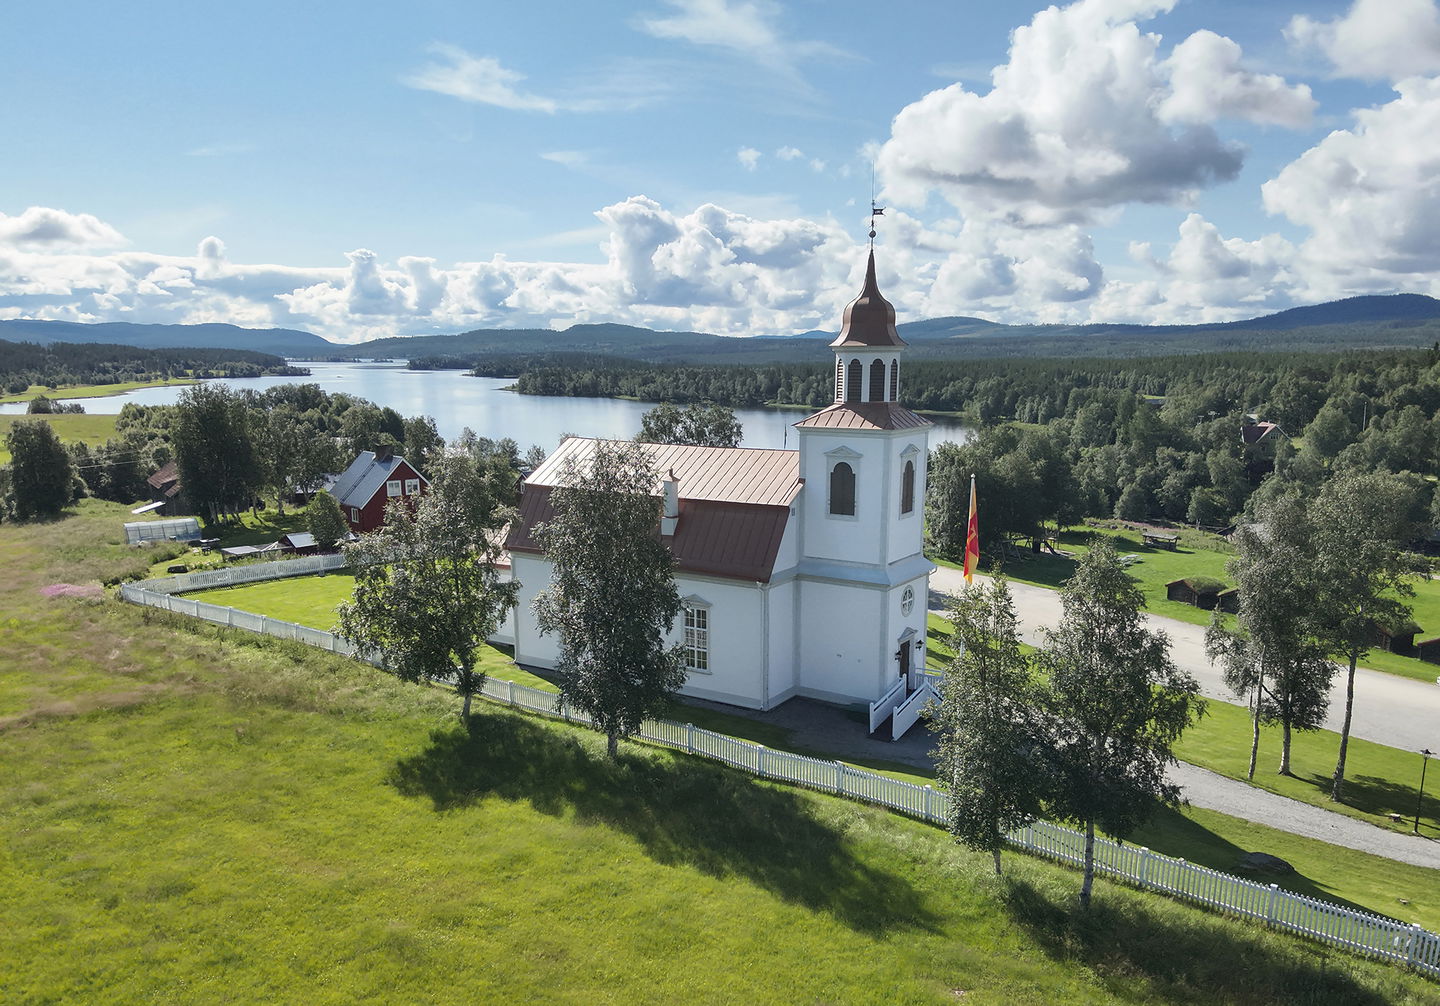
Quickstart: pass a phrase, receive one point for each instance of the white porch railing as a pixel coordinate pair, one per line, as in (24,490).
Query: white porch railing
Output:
(882,707)
(907,712)
(1361,932)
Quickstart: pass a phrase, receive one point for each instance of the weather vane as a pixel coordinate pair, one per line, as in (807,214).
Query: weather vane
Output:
(875,211)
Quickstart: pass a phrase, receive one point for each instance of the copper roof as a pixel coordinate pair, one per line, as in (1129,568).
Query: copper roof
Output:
(864,416)
(869,318)
(734,503)
(721,474)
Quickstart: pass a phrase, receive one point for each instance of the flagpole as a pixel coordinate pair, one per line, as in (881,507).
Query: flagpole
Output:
(972,536)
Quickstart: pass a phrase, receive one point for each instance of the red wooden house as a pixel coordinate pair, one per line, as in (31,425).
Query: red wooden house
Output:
(371,482)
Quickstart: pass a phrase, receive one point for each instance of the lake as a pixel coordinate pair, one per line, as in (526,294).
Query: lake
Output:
(457,400)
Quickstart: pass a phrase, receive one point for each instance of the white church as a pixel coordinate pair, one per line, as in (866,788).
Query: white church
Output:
(801,571)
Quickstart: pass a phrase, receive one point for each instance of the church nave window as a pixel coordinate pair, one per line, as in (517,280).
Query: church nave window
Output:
(842,490)
(697,638)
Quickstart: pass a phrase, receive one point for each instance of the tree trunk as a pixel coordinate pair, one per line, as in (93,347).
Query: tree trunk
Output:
(1254,733)
(1284,747)
(465,710)
(996,853)
(1089,880)
(1337,786)
(612,745)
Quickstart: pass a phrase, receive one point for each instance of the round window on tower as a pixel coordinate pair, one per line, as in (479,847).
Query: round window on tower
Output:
(907,601)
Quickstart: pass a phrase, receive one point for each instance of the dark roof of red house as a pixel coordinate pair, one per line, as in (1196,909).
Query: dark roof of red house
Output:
(1255,432)
(165,475)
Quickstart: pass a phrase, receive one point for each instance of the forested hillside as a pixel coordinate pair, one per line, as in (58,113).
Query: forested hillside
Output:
(25,363)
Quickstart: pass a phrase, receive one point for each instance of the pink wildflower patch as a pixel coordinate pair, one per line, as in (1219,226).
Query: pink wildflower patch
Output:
(87,590)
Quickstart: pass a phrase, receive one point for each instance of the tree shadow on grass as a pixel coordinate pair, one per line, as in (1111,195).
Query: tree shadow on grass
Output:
(1379,796)
(681,811)
(1180,958)
(1176,835)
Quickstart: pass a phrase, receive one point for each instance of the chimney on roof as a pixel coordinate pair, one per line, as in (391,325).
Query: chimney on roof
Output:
(671,516)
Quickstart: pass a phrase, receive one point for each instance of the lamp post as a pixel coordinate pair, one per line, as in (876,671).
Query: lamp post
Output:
(1424,763)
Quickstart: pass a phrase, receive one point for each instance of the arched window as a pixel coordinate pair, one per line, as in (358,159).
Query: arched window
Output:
(854,375)
(842,490)
(907,488)
(894,380)
(839,379)
(877,381)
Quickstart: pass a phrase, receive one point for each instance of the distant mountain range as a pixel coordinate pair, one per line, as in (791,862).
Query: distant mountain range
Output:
(280,341)
(1396,320)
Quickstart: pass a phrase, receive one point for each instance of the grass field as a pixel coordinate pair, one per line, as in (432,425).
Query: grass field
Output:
(1201,554)
(87,390)
(1323,870)
(70,428)
(195,815)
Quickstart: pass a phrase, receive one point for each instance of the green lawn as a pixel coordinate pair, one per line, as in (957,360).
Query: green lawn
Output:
(193,814)
(1201,554)
(88,390)
(1379,780)
(70,428)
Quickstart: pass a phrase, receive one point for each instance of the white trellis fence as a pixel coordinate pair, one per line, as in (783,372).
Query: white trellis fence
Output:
(1361,932)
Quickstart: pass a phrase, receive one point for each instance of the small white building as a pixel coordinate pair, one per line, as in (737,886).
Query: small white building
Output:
(802,571)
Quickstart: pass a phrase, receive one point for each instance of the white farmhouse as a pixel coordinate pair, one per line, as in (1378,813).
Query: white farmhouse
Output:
(801,571)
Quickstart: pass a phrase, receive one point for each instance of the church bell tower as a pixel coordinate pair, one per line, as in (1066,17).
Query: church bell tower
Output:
(864,575)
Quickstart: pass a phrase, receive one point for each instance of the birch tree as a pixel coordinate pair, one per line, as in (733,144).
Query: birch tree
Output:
(1116,705)
(1360,525)
(612,595)
(1273,656)
(987,756)
(428,593)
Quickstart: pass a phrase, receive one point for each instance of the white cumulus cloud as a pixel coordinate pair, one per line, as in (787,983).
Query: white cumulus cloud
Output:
(748,157)
(1087,114)
(1375,39)
(41,227)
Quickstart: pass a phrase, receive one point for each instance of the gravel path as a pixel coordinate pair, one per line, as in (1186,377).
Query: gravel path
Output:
(1204,788)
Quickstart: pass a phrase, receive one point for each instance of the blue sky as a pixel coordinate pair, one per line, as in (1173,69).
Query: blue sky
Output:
(365,169)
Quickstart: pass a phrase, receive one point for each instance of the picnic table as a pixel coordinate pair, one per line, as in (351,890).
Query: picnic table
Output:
(1159,539)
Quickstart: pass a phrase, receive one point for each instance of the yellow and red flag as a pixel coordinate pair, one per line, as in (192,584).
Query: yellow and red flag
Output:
(972,537)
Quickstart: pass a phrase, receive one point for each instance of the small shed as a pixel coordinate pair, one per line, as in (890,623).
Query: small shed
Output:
(1159,539)
(300,543)
(1201,591)
(1396,638)
(173,529)
(1428,650)
(1228,600)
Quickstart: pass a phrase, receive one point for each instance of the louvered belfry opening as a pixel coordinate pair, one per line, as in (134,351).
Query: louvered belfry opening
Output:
(877,381)
(854,377)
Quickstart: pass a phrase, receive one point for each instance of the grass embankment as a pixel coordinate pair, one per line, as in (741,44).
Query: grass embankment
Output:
(231,817)
(89,390)
(70,428)
(1214,840)
(1202,554)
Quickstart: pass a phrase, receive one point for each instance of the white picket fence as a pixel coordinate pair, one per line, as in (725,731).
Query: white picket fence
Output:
(230,576)
(1361,932)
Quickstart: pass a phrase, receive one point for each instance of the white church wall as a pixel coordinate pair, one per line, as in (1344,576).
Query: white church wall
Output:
(842,658)
(737,635)
(857,538)
(905,532)
(783,617)
(897,623)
